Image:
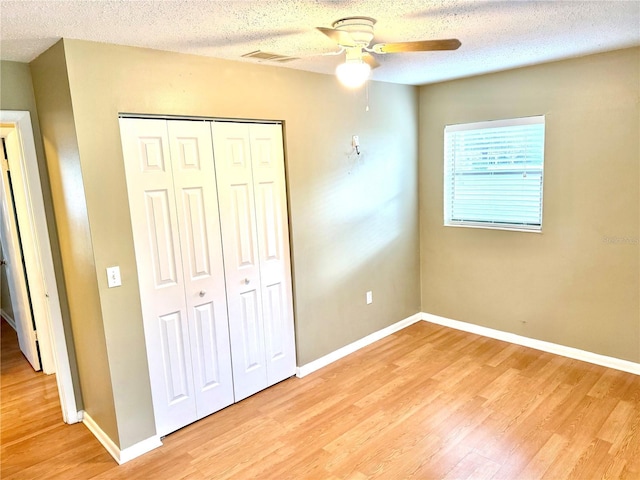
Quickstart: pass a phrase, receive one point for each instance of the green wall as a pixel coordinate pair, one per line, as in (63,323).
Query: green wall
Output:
(353,220)
(576,283)
(16,93)
(5,296)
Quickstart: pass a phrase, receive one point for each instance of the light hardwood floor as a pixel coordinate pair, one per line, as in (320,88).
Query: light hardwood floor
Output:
(427,402)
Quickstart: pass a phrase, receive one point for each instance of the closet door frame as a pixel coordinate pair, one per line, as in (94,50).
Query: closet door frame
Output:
(271,364)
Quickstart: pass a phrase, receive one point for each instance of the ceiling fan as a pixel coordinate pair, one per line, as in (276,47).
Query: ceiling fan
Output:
(354,34)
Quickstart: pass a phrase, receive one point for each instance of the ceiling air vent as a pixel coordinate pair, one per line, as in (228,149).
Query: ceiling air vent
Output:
(272,57)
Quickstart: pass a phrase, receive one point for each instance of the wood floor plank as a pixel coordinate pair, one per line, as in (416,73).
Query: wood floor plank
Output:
(427,402)
(544,457)
(473,467)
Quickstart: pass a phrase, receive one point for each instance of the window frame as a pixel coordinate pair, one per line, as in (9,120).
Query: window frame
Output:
(449,174)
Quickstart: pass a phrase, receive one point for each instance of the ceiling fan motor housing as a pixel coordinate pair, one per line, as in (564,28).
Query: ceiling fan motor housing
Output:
(359,28)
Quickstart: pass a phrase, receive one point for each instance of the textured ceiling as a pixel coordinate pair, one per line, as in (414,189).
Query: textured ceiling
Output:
(495,35)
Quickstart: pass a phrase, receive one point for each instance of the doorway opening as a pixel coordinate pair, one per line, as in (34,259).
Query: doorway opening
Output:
(38,304)
(17,309)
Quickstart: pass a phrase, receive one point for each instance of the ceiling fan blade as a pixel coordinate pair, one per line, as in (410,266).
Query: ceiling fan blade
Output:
(419,46)
(368,58)
(340,37)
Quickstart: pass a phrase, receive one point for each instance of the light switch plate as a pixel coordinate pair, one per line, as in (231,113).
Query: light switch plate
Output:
(369,297)
(113,277)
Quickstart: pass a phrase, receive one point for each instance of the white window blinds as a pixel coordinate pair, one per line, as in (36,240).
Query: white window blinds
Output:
(493,174)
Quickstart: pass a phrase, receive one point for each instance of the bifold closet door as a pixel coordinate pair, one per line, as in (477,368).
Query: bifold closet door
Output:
(203,270)
(172,198)
(249,163)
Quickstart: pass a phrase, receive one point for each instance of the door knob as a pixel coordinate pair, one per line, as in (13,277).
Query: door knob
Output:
(202,293)
(247,281)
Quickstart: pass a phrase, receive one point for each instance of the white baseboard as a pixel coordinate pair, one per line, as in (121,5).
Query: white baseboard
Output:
(357,345)
(120,456)
(8,318)
(75,417)
(570,352)
(139,449)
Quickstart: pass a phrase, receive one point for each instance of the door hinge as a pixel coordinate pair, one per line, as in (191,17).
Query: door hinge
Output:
(5,164)
(35,335)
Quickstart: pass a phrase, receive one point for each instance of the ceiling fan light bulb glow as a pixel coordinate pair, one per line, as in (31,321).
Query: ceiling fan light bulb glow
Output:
(353,74)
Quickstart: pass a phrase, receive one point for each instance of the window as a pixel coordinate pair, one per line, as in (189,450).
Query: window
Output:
(493,174)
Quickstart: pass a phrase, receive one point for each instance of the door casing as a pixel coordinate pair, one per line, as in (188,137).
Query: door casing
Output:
(32,220)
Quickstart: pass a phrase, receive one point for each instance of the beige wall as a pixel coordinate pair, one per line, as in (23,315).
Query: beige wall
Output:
(16,93)
(577,283)
(56,118)
(353,220)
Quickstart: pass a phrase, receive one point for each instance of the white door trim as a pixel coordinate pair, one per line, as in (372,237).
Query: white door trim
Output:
(52,340)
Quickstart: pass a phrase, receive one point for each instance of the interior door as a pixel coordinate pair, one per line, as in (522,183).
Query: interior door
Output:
(16,278)
(152,203)
(241,257)
(203,270)
(267,158)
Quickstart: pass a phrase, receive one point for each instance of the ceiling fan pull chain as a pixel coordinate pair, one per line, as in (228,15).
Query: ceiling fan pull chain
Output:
(367,94)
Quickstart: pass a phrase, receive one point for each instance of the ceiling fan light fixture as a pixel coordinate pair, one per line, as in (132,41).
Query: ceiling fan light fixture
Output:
(353,74)
(359,29)
(354,36)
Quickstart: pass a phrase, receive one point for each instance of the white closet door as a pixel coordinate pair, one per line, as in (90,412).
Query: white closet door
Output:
(203,270)
(241,257)
(267,157)
(157,246)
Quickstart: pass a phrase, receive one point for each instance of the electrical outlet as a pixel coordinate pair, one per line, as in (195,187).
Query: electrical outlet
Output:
(369,297)
(113,277)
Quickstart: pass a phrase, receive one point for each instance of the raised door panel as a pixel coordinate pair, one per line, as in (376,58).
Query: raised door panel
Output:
(211,358)
(162,247)
(267,157)
(241,257)
(160,272)
(174,358)
(203,269)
